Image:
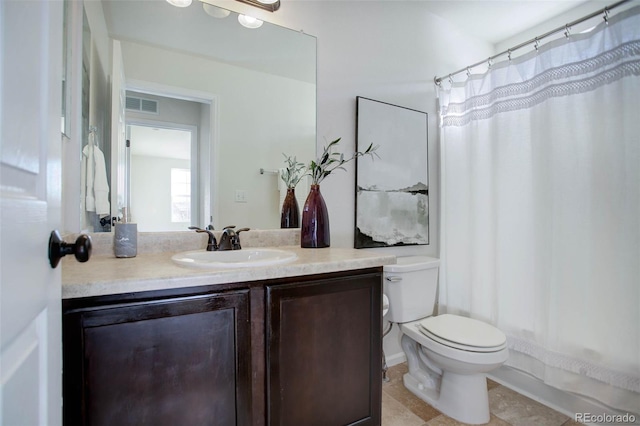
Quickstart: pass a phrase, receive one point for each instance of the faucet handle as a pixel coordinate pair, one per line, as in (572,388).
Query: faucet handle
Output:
(212,243)
(229,227)
(237,243)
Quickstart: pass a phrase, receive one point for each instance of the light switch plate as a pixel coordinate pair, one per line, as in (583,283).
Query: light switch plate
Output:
(241,196)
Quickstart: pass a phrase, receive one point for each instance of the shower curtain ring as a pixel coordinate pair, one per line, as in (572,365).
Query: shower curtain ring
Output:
(450,79)
(489,62)
(468,72)
(567,30)
(537,44)
(605,15)
(509,54)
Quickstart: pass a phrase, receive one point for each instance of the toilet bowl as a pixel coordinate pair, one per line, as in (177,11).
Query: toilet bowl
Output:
(448,355)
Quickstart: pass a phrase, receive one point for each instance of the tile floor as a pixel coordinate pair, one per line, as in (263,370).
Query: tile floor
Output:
(401,408)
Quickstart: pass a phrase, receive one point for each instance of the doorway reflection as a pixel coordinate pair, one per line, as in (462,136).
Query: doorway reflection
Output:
(161,176)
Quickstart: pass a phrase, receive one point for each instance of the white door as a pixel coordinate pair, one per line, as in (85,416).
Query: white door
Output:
(30,195)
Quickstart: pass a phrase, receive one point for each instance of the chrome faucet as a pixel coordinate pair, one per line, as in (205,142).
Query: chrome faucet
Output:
(212,244)
(230,239)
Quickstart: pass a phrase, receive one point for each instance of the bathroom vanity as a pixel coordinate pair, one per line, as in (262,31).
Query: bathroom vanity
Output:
(148,342)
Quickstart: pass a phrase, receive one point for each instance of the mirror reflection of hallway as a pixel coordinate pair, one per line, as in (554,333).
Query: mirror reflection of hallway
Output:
(161,177)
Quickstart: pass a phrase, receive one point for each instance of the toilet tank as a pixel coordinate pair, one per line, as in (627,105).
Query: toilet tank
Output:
(411,286)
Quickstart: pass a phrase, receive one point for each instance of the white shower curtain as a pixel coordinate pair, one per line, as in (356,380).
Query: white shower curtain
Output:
(541,208)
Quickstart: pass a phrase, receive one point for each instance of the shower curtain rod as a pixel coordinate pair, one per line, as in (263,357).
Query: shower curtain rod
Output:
(566,28)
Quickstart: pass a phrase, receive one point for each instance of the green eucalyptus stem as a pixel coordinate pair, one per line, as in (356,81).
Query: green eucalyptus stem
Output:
(293,172)
(330,161)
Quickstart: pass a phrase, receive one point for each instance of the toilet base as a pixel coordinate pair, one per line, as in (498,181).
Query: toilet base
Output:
(461,397)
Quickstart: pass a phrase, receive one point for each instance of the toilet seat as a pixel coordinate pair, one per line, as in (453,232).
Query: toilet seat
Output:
(463,333)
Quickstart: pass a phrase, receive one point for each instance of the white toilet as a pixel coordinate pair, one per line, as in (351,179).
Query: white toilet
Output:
(448,355)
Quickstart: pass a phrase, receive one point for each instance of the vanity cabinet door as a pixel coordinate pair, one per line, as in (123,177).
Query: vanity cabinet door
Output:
(324,351)
(178,361)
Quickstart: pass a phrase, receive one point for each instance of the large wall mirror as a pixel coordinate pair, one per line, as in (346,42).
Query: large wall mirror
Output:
(200,106)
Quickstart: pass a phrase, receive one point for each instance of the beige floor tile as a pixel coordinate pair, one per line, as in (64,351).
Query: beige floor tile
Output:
(395,414)
(491,384)
(397,371)
(519,410)
(395,388)
(448,421)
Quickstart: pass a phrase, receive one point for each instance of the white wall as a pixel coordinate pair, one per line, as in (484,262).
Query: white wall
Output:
(151,204)
(561,20)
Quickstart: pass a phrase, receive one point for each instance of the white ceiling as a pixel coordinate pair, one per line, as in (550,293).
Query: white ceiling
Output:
(160,142)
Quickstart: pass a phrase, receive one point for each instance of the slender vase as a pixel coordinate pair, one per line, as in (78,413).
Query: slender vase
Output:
(290,217)
(315,221)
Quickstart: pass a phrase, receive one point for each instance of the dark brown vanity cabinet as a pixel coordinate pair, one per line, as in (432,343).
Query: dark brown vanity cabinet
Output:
(324,351)
(297,351)
(168,361)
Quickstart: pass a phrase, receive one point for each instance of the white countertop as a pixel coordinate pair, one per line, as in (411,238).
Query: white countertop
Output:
(106,274)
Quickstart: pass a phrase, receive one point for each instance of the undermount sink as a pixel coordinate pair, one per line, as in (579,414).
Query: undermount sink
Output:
(233,258)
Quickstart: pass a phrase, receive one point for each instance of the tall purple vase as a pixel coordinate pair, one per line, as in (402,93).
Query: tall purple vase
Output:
(315,221)
(290,216)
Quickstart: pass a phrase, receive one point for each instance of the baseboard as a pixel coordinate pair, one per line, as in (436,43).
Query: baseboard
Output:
(395,359)
(564,402)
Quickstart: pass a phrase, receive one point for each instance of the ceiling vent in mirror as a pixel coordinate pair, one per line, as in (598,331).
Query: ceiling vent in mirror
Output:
(142,105)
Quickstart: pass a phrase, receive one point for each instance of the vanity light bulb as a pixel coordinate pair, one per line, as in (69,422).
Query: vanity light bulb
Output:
(215,11)
(249,22)
(179,3)
(267,1)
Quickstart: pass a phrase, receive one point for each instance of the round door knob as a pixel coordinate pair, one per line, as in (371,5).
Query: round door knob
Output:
(81,249)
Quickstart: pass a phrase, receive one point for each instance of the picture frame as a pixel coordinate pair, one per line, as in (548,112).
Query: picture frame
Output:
(392,188)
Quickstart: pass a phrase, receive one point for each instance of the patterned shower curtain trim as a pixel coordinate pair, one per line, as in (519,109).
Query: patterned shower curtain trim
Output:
(595,72)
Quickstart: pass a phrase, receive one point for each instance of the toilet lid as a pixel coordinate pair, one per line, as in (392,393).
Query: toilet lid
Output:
(462,331)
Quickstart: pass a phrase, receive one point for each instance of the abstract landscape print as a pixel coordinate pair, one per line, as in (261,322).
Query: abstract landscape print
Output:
(392,189)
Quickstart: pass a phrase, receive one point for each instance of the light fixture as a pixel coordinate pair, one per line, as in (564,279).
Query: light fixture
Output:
(215,11)
(269,5)
(249,21)
(179,3)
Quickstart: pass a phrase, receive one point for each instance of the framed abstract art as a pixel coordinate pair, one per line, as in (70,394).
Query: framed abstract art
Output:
(392,189)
